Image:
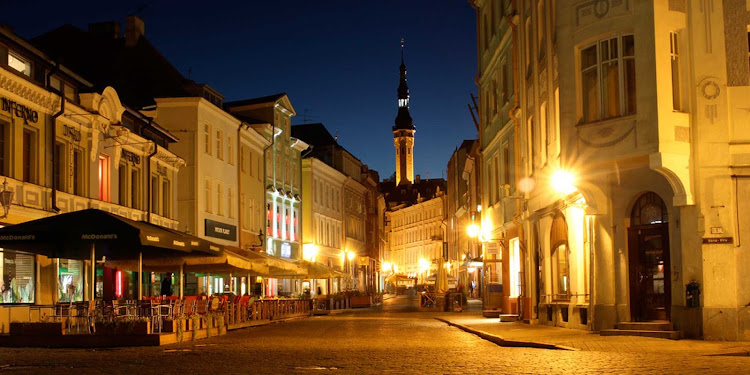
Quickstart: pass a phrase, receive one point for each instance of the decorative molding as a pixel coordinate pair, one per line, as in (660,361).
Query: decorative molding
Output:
(604,135)
(26,90)
(592,11)
(707,8)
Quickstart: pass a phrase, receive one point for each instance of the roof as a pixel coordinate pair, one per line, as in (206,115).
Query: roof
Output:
(313,134)
(139,73)
(411,193)
(264,99)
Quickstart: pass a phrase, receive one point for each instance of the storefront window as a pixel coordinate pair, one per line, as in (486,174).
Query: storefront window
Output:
(70,284)
(17,269)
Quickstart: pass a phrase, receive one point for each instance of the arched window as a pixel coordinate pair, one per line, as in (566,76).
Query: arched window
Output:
(648,209)
(560,258)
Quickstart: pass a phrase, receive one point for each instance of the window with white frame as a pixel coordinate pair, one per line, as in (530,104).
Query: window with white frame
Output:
(208,195)
(678,102)
(230,150)
(230,202)
(220,198)
(220,144)
(207,138)
(608,78)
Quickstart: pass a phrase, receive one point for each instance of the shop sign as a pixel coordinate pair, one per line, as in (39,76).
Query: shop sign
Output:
(718,240)
(221,230)
(72,132)
(131,157)
(20,110)
(492,248)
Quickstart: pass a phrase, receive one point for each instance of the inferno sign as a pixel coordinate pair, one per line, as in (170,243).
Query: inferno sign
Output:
(20,111)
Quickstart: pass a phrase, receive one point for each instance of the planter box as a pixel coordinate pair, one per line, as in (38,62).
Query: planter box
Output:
(37,329)
(133,328)
(361,301)
(169,326)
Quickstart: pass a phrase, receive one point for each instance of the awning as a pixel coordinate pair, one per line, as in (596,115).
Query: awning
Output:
(276,267)
(225,263)
(71,236)
(319,271)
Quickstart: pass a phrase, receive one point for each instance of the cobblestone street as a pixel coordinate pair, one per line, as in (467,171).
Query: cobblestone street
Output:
(389,339)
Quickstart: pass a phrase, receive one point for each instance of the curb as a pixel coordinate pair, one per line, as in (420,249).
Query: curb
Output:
(497,340)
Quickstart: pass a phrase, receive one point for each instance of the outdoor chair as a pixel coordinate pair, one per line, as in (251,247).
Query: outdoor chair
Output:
(201,307)
(177,308)
(188,307)
(64,313)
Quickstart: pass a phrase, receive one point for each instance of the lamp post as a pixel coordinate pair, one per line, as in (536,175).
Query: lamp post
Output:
(6,197)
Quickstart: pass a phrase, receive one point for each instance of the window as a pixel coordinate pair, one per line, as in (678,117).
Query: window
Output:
(541,27)
(135,188)
(166,198)
(29,156)
(220,144)
(207,138)
(560,258)
(18,270)
(674,54)
(60,170)
(103,178)
(79,172)
(155,194)
(543,132)
(208,195)
(220,198)
(490,180)
(19,64)
(243,160)
(230,202)
(497,179)
(532,144)
(122,174)
(528,36)
(5,147)
(506,164)
(230,150)
(608,79)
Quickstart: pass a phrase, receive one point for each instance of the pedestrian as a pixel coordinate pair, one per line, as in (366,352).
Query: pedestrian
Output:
(471,287)
(166,285)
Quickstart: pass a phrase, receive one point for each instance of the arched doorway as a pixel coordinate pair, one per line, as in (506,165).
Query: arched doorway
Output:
(648,263)
(560,258)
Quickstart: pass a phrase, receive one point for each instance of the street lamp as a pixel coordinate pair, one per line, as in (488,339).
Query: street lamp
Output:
(473,230)
(563,182)
(6,196)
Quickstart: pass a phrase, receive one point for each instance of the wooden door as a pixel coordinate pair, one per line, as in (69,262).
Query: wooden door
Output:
(649,267)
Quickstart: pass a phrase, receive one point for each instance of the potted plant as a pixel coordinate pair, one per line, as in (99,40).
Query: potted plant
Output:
(36,329)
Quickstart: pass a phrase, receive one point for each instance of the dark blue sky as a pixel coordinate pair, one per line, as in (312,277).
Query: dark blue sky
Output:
(337,60)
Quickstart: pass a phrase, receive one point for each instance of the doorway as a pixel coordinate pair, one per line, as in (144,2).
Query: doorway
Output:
(648,260)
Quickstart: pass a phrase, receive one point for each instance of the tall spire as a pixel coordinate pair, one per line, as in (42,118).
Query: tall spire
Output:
(403,119)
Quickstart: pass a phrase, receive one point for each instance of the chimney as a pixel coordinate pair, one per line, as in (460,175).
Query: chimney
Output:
(134,30)
(416,180)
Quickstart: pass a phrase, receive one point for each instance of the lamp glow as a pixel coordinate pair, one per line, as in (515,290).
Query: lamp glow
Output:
(350,255)
(471,269)
(386,266)
(472,230)
(424,265)
(563,182)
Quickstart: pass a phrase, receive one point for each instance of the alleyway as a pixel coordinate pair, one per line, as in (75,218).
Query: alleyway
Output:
(394,338)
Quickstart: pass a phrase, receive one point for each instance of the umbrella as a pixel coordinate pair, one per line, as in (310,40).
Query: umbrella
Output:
(441,278)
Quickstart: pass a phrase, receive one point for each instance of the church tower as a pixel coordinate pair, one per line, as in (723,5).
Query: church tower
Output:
(403,131)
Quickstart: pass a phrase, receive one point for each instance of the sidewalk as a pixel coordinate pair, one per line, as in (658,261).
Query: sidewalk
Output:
(521,334)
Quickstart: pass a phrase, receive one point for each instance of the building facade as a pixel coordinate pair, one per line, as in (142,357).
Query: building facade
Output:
(66,147)
(323,219)
(627,215)
(271,117)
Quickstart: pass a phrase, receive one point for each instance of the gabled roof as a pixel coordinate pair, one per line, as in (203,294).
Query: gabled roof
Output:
(139,73)
(410,193)
(314,134)
(264,99)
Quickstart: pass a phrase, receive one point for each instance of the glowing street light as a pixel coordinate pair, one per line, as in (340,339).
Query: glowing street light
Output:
(350,255)
(424,264)
(473,230)
(386,266)
(563,182)
(309,251)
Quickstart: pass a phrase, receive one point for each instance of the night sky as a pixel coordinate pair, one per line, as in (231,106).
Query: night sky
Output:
(337,60)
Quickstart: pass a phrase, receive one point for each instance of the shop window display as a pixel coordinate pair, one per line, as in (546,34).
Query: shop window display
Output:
(18,282)
(70,285)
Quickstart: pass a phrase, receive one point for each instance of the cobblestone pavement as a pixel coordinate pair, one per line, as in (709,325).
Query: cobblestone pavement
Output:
(391,339)
(589,341)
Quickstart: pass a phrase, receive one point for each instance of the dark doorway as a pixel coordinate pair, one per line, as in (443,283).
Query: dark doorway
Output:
(649,266)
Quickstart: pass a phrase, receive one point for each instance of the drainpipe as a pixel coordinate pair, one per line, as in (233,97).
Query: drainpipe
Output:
(513,22)
(148,177)
(54,138)
(265,170)
(239,180)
